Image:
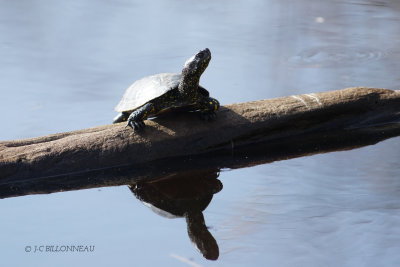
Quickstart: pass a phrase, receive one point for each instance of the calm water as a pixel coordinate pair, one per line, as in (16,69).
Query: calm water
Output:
(65,65)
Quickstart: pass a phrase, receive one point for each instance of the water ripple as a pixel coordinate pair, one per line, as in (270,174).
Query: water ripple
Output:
(331,56)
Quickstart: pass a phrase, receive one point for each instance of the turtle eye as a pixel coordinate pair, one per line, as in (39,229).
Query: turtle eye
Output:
(200,54)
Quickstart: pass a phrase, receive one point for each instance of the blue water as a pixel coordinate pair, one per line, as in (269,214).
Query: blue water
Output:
(65,65)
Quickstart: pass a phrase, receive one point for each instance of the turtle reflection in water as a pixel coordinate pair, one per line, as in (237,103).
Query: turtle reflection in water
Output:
(184,195)
(156,94)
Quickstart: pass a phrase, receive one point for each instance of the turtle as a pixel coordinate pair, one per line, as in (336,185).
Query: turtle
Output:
(159,93)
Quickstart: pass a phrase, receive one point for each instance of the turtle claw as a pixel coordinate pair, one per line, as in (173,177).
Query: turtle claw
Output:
(135,125)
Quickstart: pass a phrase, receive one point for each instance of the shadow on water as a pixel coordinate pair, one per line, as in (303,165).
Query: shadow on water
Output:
(184,195)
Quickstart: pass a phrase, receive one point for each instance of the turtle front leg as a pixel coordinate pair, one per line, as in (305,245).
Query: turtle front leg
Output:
(208,107)
(135,120)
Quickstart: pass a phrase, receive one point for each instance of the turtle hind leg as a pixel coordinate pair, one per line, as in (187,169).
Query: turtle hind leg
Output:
(123,116)
(208,107)
(135,120)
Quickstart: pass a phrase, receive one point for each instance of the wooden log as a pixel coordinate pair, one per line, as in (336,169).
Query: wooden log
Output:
(278,124)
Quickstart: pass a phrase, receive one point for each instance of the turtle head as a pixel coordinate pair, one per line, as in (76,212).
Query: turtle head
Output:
(196,65)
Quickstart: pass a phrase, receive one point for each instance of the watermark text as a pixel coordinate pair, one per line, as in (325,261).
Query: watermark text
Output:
(59,248)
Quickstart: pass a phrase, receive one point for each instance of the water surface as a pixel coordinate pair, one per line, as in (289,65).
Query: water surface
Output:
(64,66)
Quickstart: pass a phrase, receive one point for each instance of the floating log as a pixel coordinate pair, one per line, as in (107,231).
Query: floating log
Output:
(243,134)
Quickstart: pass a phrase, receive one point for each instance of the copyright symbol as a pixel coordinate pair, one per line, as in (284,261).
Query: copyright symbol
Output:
(28,249)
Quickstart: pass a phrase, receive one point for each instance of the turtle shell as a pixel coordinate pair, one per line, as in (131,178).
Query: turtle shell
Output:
(146,89)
